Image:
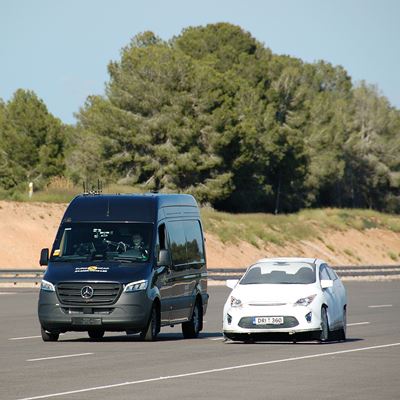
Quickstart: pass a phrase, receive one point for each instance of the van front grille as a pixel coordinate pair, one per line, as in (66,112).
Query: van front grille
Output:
(102,293)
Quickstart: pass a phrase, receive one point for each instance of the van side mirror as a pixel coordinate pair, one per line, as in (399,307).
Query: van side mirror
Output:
(164,258)
(326,283)
(231,283)
(44,257)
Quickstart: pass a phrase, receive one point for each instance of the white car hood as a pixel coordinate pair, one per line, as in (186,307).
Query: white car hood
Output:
(268,293)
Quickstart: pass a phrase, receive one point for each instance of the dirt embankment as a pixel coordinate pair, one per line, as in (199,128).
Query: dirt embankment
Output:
(25,228)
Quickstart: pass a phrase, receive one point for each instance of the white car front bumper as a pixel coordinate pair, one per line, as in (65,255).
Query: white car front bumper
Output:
(296,319)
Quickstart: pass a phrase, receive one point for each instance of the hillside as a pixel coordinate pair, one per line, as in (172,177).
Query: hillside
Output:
(341,237)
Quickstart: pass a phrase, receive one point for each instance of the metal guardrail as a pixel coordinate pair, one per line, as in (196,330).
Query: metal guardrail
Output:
(17,276)
(220,274)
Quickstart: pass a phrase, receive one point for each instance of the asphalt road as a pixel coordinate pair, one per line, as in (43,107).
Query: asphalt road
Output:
(367,366)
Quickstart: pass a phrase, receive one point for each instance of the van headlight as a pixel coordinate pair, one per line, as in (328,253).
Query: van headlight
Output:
(47,286)
(305,301)
(136,286)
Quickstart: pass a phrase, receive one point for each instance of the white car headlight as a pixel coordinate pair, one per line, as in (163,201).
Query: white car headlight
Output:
(305,301)
(47,286)
(235,302)
(136,286)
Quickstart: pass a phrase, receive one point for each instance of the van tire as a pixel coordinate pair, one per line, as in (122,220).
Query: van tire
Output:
(153,327)
(95,333)
(191,328)
(49,336)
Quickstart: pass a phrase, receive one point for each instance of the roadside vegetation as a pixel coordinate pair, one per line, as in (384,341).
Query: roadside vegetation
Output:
(261,228)
(215,113)
(254,228)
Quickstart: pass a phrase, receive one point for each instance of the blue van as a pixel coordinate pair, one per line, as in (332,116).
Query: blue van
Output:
(129,263)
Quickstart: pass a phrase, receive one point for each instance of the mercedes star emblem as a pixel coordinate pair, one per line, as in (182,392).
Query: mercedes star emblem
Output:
(87,292)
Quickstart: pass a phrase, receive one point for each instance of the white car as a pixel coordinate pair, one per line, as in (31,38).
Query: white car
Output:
(286,298)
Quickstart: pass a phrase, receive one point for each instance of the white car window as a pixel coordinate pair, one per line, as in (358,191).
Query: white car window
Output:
(279,273)
(323,273)
(332,273)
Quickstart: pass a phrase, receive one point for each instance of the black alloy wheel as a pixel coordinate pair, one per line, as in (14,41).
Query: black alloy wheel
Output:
(152,330)
(191,328)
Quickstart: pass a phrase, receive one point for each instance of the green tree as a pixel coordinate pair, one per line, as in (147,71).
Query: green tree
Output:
(214,113)
(30,141)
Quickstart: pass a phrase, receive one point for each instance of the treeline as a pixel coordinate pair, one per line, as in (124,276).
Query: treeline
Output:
(215,113)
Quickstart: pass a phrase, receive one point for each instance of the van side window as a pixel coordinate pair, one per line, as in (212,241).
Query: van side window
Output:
(161,237)
(161,243)
(177,242)
(194,242)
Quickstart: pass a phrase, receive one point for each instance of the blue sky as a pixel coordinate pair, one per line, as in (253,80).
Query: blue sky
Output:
(61,48)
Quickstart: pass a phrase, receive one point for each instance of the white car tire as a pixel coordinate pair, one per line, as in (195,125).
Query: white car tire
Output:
(325,333)
(342,332)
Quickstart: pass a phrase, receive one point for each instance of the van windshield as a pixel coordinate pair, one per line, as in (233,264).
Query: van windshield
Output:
(130,242)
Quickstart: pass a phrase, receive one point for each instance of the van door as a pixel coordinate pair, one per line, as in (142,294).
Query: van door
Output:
(164,281)
(180,290)
(196,261)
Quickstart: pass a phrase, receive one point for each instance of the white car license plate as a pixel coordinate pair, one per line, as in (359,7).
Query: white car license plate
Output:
(268,321)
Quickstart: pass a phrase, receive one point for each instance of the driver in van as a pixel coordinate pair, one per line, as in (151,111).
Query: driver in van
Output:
(138,245)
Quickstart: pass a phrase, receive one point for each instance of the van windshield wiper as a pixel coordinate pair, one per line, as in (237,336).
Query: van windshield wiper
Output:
(127,259)
(72,258)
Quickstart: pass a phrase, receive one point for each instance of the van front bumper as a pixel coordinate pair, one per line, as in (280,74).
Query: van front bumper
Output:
(130,312)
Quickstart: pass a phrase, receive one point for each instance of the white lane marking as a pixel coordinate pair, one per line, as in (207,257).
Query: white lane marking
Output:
(217,338)
(8,293)
(381,306)
(29,337)
(210,371)
(24,337)
(353,324)
(56,357)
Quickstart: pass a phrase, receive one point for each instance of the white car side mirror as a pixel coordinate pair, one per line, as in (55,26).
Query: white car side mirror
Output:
(326,283)
(231,283)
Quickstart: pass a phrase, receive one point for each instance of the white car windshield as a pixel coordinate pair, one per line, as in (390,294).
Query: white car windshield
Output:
(280,273)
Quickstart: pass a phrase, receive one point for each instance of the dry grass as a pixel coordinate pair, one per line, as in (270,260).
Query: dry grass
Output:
(280,229)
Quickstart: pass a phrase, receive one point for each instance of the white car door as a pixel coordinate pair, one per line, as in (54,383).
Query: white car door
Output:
(340,294)
(330,297)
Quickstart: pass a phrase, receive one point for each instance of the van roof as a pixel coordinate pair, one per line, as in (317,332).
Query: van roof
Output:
(123,207)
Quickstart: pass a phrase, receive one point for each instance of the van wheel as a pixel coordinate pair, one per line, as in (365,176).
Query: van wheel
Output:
(95,333)
(49,336)
(191,329)
(151,332)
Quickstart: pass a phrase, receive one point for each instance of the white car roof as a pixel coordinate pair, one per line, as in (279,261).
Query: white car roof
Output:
(316,261)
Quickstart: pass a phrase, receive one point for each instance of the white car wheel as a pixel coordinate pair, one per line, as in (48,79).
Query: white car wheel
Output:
(325,334)
(342,332)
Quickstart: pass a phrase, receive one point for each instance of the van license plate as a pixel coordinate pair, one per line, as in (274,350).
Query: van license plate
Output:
(86,321)
(268,321)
